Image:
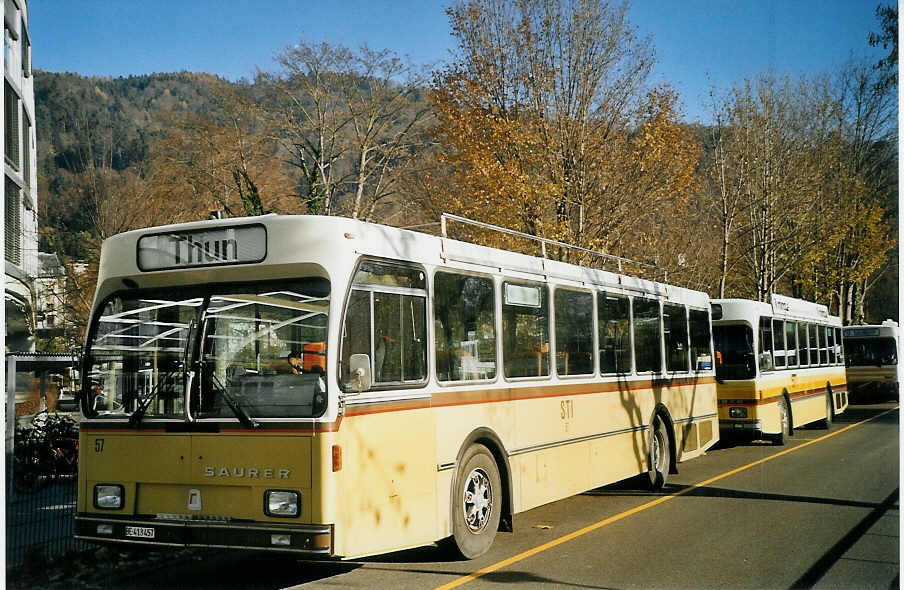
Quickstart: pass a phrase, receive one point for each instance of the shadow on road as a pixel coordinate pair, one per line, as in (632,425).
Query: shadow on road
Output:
(816,572)
(711,492)
(855,414)
(215,570)
(851,415)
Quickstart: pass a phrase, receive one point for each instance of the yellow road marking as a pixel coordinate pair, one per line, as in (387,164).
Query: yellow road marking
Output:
(597,525)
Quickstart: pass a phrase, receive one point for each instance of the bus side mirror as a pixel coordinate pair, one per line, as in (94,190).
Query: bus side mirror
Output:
(359,369)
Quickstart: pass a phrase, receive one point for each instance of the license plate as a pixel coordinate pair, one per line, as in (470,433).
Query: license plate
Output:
(140,532)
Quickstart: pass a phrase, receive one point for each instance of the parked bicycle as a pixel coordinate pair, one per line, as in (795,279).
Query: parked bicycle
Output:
(44,452)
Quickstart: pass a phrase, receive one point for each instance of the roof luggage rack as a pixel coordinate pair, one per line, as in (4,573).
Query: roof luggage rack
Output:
(609,259)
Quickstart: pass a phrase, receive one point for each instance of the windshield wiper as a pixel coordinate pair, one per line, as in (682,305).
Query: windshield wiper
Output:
(145,402)
(234,405)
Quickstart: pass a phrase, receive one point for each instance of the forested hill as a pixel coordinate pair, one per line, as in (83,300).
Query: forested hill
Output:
(70,107)
(85,122)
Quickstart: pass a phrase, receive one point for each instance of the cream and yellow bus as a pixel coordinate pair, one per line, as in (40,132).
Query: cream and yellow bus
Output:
(779,366)
(871,356)
(331,387)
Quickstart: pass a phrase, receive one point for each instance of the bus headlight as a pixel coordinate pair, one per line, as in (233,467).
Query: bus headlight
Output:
(281,503)
(108,497)
(737,412)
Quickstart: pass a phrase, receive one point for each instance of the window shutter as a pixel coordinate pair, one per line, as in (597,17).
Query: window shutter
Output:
(12,225)
(11,102)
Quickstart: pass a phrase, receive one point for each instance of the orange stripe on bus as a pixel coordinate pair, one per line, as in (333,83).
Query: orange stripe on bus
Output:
(771,400)
(451,398)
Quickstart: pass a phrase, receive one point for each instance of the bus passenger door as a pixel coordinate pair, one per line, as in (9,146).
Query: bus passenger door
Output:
(388,482)
(388,491)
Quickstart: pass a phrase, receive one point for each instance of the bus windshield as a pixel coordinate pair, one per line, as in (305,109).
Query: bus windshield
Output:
(137,353)
(265,351)
(246,351)
(866,352)
(734,352)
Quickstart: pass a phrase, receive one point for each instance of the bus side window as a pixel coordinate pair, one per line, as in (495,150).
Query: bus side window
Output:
(394,335)
(778,349)
(814,345)
(356,331)
(823,347)
(791,343)
(614,313)
(804,352)
(675,323)
(400,343)
(830,338)
(647,335)
(525,330)
(839,347)
(574,332)
(765,347)
(701,354)
(464,312)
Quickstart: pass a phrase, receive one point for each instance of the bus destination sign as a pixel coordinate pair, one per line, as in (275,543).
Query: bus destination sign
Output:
(871,332)
(207,247)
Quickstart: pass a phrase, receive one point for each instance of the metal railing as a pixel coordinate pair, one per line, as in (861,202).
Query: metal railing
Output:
(41,461)
(40,500)
(611,259)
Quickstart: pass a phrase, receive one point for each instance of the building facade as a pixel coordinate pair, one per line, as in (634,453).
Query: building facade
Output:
(49,292)
(20,195)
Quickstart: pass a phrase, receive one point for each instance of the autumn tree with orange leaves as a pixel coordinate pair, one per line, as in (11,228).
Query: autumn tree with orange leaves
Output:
(224,159)
(545,126)
(798,180)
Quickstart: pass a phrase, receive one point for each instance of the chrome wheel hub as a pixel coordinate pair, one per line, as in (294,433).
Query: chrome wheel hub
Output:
(656,452)
(478,500)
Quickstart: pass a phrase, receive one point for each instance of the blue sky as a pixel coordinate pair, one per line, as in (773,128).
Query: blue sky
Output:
(698,43)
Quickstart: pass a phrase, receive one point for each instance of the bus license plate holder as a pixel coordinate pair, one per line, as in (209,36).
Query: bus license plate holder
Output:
(140,532)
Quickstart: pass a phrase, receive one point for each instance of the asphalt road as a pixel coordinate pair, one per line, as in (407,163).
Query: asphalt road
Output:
(821,512)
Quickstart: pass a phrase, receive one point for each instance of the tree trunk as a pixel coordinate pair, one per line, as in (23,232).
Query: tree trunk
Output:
(842,299)
(362,178)
(859,302)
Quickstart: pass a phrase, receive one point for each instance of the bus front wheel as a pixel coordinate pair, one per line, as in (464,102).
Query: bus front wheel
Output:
(477,502)
(784,423)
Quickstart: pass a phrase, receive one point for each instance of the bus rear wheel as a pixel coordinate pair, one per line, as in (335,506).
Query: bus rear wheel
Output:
(660,454)
(476,502)
(784,423)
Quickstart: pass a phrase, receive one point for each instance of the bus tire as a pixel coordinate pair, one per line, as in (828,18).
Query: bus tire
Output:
(476,502)
(660,454)
(830,410)
(784,414)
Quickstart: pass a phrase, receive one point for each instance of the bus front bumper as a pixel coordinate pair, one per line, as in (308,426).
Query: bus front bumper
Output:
(310,540)
(752,426)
